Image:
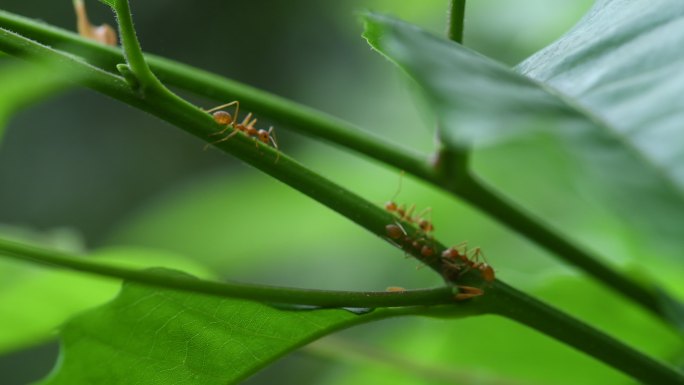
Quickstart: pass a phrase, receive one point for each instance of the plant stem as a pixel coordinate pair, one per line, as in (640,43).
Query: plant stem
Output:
(262,293)
(316,124)
(477,193)
(133,51)
(456,20)
(510,303)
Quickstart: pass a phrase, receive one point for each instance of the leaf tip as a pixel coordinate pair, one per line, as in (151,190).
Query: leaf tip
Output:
(372,27)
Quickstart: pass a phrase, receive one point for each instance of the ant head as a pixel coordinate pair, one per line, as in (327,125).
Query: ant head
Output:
(390,206)
(264,136)
(222,117)
(450,253)
(425,225)
(454,254)
(486,271)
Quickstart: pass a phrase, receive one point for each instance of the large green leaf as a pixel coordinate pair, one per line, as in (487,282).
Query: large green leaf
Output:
(154,336)
(606,93)
(35,301)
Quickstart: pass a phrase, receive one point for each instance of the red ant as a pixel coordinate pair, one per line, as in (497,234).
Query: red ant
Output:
(397,233)
(405,214)
(104,33)
(452,271)
(453,254)
(224,118)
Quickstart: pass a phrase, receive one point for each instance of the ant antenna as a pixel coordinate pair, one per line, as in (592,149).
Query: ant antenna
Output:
(272,138)
(396,194)
(234,102)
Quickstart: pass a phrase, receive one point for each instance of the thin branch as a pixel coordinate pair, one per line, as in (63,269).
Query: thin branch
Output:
(134,54)
(535,314)
(262,293)
(478,194)
(456,20)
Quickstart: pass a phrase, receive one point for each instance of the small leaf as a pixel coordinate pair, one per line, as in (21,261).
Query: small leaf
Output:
(128,75)
(153,336)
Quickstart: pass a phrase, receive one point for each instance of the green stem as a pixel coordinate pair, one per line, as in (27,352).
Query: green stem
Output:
(134,55)
(510,303)
(477,193)
(320,125)
(456,20)
(262,293)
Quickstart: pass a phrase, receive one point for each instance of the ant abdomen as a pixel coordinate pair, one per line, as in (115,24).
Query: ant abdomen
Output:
(222,117)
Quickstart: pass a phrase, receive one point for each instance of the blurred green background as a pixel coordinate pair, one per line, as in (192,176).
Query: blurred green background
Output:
(84,172)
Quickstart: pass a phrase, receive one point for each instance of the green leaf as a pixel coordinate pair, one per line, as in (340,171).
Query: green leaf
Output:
(35,301)
(621,63)
(606,93)
(153,336)
(24,84)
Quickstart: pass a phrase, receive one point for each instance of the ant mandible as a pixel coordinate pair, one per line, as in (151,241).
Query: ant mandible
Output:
(224,118)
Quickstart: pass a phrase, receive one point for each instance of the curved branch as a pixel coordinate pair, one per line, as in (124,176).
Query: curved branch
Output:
(261,293)
(456,20)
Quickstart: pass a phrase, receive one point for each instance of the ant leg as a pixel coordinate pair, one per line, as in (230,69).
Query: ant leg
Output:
(476,254)
(467,292)
(228,126)
(222,106)
(272,138)
(427,210)
(407,214)
(246,120)
(396,194)
(235,131)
